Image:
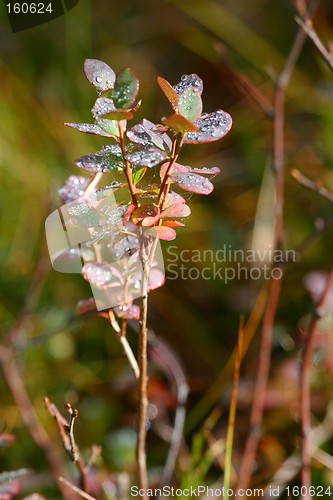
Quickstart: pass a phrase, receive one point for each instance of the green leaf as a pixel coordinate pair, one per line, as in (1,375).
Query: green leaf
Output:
(137,174)
(179,123)
(169,92)
(125,89)
(190,104)
(109,126)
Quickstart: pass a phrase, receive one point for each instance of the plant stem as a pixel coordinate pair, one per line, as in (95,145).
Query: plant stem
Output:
(305,402)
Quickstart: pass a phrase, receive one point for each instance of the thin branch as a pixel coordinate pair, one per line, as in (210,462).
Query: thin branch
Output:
(127,170)
(305,402)
(307,27)
(311,185)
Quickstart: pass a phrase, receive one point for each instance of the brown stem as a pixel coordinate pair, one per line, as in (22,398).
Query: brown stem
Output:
(305,402)
(311,185)
(128,170)
(256,417)
(308,28)
(143,380)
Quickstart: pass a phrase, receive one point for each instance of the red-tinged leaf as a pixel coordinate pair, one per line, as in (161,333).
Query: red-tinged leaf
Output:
(206,171)
(180,124)
(101,275)
(146,215)
(165,233)
(169,92)
(128,213)
(173,223)
(136,105)
(156,279)
(119,114)
(126,89)
(89,128)
(86,306)
(99,74)
(193,183)
(210,127)
(176,210)
(176,167)
(102,106)
(127,311)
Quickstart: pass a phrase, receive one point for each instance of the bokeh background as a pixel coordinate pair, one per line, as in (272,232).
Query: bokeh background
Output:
(79,360)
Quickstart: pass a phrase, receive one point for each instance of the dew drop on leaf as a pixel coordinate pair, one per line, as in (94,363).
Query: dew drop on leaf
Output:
(99,74)
(73,188)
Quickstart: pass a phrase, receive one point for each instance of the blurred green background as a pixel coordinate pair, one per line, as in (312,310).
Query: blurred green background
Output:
(79,360)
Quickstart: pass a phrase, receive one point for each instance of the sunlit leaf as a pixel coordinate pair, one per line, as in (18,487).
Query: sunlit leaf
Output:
(192,81)
(125,89)
(146,215)
(137,174)
(92,128)
(169,92)
(180,124)
(164,232)
(73,188)
(193,183)
(99,74)
(147,134)
(146,157)
(206,171)
(210,127)
(176,210)
(83,215)
(190,104)
(173,223)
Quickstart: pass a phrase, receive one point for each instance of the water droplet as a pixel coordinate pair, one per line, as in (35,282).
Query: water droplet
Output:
(73,188)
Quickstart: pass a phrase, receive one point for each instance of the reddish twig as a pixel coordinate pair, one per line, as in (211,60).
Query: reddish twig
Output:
(305,403)
(276,282)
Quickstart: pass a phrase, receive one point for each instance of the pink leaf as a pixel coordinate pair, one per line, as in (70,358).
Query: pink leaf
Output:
(156,279)
(193,183)
(169,92)
(173,223)
(99,74)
